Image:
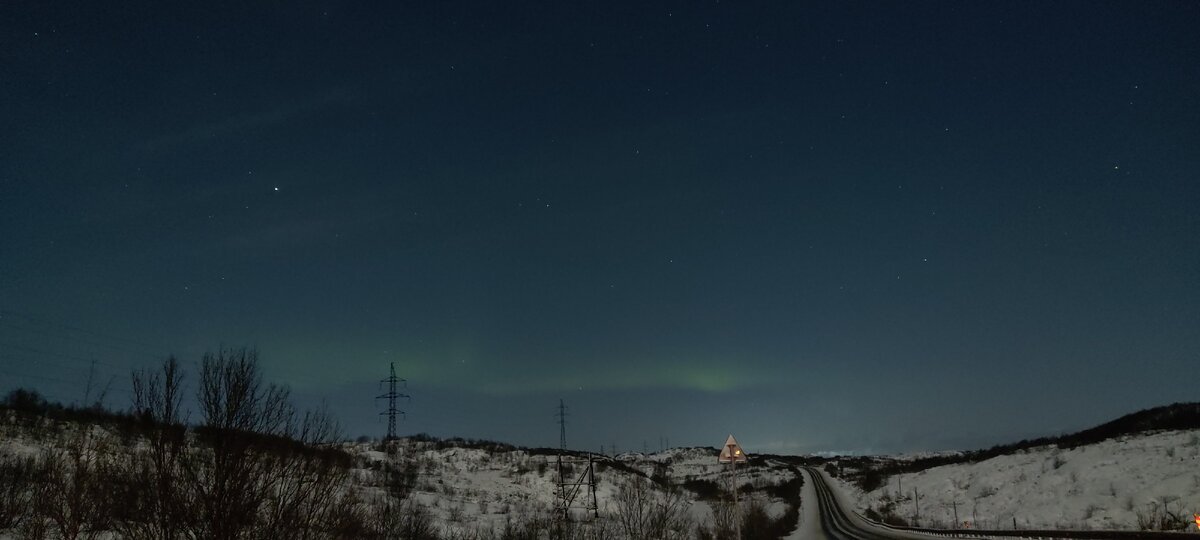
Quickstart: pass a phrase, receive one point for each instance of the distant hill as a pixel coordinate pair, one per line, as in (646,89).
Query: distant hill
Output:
(1136,472)
(1177,416)
(1139,480)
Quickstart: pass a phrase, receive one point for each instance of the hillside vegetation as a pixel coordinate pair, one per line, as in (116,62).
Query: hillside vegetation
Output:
(1138,472)
(255,467)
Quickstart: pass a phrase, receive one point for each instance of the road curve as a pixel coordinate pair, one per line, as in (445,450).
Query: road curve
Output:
(837,520)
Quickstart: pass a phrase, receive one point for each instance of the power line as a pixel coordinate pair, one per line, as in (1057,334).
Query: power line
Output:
(35,350)
(569,490)
(562,425)
(46,321)
(22,360)
(391,396)
(76,339)
(121,388)
(33,360)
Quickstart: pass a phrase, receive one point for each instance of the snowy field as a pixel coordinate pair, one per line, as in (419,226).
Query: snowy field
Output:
(472,488)
(1116,484)
(1108,485)
(468,488)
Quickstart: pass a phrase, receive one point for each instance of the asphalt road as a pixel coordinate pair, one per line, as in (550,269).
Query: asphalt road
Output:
(832,517)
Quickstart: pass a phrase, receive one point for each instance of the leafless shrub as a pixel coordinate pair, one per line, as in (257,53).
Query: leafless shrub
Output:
(454,512)
(1164,514)
(72,494)
(155,503)
(391,519)
(347,517)
(254,468)
(642,511)
(723,524)
(17,482)
(231,472)
(304,495)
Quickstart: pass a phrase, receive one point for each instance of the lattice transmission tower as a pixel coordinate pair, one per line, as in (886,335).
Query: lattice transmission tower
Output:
(562,425)
(571,487)
(392,395)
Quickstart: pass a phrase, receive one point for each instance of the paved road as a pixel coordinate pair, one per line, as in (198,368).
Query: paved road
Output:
(826,515)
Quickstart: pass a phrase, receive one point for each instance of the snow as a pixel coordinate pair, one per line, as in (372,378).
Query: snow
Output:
(1100,486)
(473,489)
(466,487)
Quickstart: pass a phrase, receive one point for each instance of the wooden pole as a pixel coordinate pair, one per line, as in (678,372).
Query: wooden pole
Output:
(737,507)
(917,506)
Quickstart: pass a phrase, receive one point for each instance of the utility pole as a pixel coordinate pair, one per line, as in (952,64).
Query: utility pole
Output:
(562,425)
(562,447)
(391,396)
(737,506)
(954,504)
(731,453)
(917,506)
(87,394)
(569,490)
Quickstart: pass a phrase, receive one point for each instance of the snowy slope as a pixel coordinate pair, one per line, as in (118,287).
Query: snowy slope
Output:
(1100,486)
(468,489)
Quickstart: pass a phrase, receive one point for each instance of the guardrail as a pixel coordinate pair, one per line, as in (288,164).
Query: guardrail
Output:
(1037,534)
(1046,534)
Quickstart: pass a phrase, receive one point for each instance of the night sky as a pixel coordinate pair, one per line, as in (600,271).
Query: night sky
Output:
(832,226)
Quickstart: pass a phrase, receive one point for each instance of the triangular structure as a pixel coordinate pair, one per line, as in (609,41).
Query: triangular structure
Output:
(732,451)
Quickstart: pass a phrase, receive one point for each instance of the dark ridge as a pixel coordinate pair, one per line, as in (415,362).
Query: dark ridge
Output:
(1174,417)
(28,406)
(1177,416)
(30,409)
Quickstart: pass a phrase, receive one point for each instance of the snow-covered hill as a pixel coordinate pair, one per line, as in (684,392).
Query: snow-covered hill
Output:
(470,488)
(1108,485)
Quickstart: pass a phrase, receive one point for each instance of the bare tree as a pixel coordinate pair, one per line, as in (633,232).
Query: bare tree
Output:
(391,519)
(644,512)
(71,494)
(309,480)
(233,472)
(17,481)
(155,501)
(253,468)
